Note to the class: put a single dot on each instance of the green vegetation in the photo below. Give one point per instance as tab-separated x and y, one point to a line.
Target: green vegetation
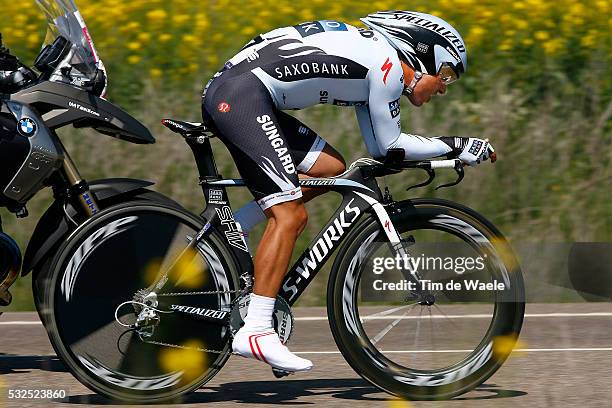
538	86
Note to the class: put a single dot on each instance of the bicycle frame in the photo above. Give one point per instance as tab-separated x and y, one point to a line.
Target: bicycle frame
360	194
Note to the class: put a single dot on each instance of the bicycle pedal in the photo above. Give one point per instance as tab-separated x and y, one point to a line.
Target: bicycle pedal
280	373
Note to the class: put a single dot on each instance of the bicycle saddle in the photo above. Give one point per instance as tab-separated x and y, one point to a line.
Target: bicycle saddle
187	128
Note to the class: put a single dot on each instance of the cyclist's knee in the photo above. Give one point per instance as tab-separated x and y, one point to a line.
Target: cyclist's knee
338	167
333	168
329	164
295	218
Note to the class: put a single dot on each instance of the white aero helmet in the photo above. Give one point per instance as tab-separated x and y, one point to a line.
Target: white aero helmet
426	42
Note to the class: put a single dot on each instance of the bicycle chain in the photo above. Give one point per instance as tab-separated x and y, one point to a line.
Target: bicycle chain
159	343
212	292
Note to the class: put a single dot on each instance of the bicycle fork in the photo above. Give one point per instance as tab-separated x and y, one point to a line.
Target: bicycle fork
400	248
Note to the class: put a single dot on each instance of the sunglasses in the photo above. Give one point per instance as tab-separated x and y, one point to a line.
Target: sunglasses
447	73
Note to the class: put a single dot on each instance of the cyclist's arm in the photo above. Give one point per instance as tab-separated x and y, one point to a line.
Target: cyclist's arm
382	134
379	122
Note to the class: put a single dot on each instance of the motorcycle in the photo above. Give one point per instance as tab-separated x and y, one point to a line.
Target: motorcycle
65	87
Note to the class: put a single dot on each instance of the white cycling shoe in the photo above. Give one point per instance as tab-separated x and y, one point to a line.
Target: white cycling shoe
266	346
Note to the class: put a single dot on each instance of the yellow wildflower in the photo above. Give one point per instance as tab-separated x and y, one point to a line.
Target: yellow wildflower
190	39
18	34
180	19
602	5
165	37
475	35
134	59
521	24
33	40
193	67
576	9
19	19
202	22
553	46
527	41
155	73
133	46
212	60
247	31
506	45
144	37
589	39
133	25
157	15
541	35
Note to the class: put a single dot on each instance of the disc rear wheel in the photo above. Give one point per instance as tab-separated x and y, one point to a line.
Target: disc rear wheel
117	287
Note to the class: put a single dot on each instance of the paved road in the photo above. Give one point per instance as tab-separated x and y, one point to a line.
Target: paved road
564	360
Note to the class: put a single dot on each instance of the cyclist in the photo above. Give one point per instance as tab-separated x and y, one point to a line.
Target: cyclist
322	62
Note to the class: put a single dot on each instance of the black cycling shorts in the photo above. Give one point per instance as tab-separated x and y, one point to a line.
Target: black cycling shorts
268	145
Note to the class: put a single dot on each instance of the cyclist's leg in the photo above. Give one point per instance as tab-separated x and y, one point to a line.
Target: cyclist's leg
314	158
249	127
286	221
257	339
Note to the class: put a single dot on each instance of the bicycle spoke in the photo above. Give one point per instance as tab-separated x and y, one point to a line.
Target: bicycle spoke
446	316
390	326
431	329
386	312
418	328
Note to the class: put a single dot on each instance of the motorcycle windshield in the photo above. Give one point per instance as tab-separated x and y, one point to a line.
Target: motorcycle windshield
64	19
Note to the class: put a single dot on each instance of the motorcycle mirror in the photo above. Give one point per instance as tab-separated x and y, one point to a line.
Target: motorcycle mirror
50	56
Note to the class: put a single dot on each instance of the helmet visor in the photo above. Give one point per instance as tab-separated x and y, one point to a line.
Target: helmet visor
447	73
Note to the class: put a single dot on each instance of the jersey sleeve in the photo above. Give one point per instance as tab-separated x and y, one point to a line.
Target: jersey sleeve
380	123
379	120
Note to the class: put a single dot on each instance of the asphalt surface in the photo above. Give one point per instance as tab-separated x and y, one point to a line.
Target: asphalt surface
564	359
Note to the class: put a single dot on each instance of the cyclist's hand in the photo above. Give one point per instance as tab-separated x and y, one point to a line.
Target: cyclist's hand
477	151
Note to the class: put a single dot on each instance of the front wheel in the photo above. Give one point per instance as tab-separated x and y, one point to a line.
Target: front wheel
116	289
444	334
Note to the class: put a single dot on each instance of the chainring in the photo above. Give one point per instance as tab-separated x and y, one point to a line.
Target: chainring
282	318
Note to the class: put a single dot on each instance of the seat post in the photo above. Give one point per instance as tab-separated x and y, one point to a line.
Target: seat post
203	154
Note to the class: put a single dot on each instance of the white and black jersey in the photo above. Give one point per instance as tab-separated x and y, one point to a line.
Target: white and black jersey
330	62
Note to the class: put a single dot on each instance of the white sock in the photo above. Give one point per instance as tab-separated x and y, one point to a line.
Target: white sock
259	314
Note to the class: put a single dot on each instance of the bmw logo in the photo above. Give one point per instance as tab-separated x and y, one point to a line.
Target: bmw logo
26	126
